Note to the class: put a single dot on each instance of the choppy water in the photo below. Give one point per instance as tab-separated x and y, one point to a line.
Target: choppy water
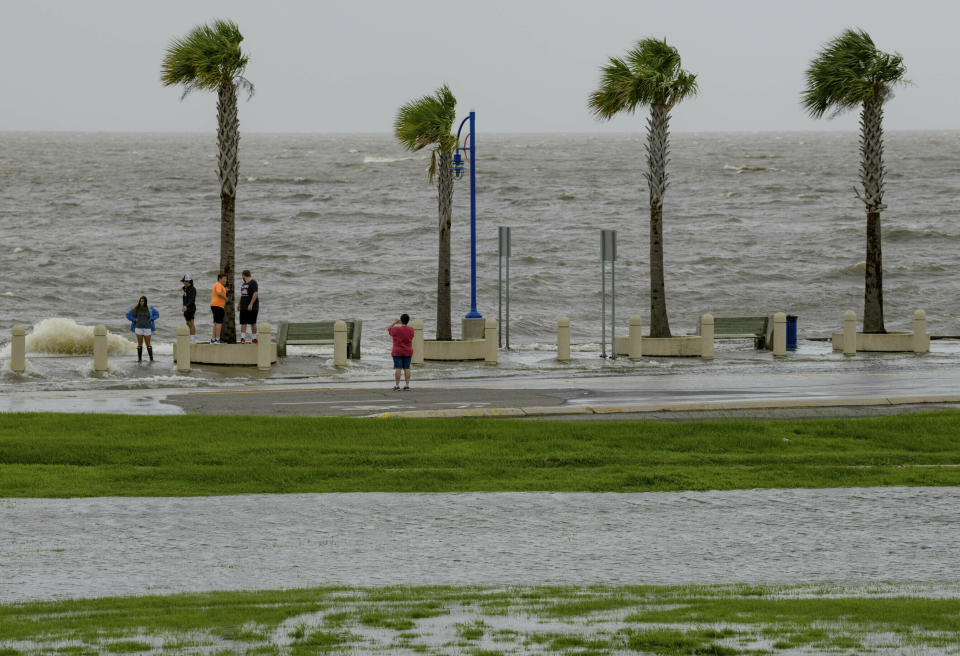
345	226
121	546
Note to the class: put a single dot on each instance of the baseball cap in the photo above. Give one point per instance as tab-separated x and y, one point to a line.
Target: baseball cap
186	277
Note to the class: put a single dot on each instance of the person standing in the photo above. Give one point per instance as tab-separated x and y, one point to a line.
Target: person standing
249	306
402	350
189	308
218	301
141	317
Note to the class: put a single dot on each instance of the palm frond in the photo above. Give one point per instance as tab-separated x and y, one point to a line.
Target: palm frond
849	71
427	121
208	56
650	74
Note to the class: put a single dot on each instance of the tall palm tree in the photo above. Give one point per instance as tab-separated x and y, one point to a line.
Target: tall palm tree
428	121
649	76
209	58
848	72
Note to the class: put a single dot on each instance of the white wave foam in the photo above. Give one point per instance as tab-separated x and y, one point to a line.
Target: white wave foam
67	337
740	168
30	370
86	370
372	159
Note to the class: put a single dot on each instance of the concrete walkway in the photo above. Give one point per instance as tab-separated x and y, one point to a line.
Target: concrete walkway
611	396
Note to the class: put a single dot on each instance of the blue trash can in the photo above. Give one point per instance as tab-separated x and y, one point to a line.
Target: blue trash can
791	332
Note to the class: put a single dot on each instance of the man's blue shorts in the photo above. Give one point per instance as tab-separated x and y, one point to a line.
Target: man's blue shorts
401	361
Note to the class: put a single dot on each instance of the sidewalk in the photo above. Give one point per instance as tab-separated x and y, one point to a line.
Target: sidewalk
619	396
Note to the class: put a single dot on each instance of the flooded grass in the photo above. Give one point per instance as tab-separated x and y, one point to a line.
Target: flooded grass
807	619
54	455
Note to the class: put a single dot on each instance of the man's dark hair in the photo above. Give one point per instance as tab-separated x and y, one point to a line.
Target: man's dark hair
246	273
404	318
221	275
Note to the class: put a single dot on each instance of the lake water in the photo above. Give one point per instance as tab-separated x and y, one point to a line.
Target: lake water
337	226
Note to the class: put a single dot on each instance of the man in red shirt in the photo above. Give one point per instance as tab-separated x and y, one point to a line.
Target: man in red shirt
402	349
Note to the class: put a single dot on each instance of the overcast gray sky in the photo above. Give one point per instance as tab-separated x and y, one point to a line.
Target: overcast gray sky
523	65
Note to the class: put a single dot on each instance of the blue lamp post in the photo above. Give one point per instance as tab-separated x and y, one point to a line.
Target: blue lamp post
458	174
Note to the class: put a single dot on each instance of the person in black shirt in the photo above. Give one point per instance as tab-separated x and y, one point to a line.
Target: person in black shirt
189	308
249	306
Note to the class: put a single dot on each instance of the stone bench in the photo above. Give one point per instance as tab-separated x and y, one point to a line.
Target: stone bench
317	333
754	328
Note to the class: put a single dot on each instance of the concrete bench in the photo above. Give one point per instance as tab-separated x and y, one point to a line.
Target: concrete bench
754	328
317	332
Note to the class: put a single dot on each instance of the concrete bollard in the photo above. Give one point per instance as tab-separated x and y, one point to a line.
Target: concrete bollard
181	349
100	362
921	340
849	332
490	337
636	337
417	359
339	343
18	349
706	336
779	334
563	339
265	345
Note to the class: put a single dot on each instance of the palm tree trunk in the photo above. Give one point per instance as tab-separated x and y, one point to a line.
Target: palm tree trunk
658	134
445	197
227	264
871	175
228	143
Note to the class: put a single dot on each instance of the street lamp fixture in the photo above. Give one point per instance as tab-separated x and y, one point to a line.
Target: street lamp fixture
471	152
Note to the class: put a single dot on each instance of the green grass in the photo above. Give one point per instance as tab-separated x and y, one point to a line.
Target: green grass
671	620
54	455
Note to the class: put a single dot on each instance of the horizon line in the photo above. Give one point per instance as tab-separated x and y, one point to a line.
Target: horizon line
495	132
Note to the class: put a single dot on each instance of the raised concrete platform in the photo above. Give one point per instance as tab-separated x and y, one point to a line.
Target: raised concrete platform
679	346
454	350
884	343
229	354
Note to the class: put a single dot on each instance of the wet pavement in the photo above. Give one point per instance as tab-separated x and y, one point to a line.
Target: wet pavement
122	546
622	395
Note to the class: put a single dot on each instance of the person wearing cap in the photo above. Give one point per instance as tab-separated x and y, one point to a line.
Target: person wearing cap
189	308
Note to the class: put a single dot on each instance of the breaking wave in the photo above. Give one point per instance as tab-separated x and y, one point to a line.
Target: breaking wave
67	337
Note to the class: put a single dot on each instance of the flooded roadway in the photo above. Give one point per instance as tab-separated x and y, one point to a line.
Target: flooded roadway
55	548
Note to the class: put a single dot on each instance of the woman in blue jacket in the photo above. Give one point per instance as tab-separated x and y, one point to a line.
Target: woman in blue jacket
141	318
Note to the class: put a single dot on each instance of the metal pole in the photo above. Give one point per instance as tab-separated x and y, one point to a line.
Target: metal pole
473	314
613	309
603	297
508	289
500	294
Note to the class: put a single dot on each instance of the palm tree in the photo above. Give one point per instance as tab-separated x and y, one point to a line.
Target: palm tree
649	76
209	58
848	72
423	122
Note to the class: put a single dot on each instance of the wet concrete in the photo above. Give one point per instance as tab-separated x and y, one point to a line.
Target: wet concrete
120	546
865	386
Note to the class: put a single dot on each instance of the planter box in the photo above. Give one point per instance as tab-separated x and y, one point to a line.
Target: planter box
230	354
453	350
881	342
682	346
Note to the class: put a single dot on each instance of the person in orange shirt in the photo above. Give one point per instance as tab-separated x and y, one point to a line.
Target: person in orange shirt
218	301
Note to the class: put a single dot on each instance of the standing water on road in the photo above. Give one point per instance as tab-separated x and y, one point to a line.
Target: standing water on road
131	546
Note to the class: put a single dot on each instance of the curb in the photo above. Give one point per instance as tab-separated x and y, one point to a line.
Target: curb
625	408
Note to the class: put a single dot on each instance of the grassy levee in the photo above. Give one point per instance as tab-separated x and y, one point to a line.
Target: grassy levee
58	455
